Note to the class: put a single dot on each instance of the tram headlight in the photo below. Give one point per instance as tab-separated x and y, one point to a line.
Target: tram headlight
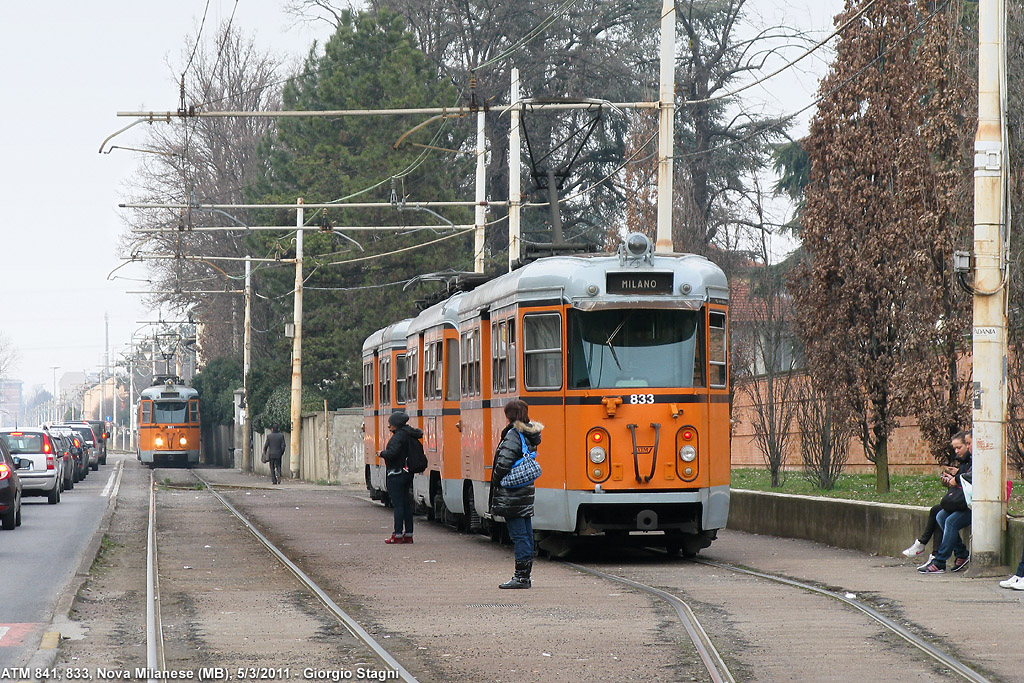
597	455
183	441
687	453
159	441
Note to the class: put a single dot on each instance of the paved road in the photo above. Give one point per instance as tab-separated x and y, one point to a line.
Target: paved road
40	559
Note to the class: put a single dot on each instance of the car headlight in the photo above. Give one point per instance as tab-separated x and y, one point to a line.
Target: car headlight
183	441
159	441
687	453
597	455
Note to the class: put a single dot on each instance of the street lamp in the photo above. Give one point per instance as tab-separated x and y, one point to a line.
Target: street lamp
55	368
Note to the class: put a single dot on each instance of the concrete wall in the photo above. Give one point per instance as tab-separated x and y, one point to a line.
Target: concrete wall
331	448
877	528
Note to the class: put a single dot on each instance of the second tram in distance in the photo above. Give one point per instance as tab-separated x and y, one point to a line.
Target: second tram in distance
168	420
622	357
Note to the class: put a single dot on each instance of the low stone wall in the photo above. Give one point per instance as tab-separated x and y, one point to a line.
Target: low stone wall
877	528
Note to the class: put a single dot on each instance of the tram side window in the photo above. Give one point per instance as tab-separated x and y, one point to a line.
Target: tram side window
147	413
512	354
385	381
470	363
499	356
367	385
437	383
717	349
451	390
193	411
400	379
542	350
429	368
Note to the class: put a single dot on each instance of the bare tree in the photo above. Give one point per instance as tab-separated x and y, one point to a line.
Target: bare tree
764	348
207	160
825	435
8	355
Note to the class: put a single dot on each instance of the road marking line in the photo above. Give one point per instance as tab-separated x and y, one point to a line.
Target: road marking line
113	482
3	631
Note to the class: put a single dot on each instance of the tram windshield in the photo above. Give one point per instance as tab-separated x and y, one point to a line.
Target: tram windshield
169	411
635	348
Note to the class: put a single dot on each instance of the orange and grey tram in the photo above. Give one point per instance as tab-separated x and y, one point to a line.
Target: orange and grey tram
168	423
622	356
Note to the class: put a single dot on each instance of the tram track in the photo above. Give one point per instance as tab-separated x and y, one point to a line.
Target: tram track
386	667
718	670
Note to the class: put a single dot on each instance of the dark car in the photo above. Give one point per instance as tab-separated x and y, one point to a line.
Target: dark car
10	489
67	443
92	442
99	427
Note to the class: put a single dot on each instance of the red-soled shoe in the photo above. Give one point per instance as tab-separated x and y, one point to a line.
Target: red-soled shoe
391	540
407	539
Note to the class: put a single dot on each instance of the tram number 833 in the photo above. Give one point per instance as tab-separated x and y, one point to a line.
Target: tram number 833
641	398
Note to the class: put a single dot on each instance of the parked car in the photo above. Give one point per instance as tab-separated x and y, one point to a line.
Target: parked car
92	442
69	443
10	488
99	427
42	477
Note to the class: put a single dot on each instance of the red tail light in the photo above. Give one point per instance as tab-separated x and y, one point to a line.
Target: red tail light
47	448
77	443
5	471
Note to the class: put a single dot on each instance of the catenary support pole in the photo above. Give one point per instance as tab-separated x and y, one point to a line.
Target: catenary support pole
296	435
990	282
666	113
246	364
481	194
514	180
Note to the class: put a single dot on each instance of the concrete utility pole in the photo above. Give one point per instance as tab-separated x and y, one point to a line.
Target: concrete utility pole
990	298
515	191
666	115
481	193
246	364
296	440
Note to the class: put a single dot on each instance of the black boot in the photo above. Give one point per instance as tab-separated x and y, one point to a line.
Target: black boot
521	579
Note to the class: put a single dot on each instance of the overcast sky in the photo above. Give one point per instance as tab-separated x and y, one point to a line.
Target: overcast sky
68	67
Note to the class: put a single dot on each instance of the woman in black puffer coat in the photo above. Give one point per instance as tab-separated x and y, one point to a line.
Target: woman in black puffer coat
515	504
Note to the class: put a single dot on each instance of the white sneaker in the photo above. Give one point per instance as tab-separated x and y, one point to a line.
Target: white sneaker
1010	582
1019	586
915	550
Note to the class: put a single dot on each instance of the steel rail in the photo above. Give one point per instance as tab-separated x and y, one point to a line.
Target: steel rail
351	624
706	650
918	642
154	628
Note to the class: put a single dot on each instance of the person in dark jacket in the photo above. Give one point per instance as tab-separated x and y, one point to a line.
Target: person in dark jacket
515	504
399	478
273	449
952	501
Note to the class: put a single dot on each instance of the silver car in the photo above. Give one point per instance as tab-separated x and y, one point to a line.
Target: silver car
43	477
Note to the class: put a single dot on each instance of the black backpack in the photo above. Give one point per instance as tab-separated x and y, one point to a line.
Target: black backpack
416	460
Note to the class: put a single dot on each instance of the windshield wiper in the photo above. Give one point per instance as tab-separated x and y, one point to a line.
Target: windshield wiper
608	341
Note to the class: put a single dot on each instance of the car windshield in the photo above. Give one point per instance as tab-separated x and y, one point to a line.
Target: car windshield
635	348
20	442
85	433
169	411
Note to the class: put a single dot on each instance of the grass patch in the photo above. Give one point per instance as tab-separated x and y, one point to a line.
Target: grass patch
905	489
324	482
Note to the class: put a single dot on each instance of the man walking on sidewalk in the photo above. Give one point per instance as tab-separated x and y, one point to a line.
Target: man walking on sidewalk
273	448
